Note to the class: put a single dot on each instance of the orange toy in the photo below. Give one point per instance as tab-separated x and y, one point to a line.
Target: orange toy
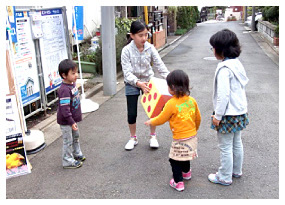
154	101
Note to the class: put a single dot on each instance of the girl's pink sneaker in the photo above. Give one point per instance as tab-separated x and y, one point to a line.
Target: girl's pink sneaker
178	186
187	175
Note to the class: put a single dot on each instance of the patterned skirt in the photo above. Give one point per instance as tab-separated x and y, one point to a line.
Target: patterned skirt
232	124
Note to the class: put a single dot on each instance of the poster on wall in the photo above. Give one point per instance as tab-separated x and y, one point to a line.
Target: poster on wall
16	158
25	60
53	47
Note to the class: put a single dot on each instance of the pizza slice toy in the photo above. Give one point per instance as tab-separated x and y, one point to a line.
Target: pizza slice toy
154	101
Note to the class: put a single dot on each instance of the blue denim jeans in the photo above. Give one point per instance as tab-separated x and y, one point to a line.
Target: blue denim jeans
71	147
231	156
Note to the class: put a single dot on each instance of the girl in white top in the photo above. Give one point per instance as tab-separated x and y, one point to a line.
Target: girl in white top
136	59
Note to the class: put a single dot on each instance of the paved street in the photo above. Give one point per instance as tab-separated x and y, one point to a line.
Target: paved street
110	172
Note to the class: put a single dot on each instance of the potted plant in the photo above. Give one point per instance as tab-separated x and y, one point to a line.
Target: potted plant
87	59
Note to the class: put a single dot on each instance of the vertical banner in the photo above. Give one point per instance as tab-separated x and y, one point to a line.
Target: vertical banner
78	10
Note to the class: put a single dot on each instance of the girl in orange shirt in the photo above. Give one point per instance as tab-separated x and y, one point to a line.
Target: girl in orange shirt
184	118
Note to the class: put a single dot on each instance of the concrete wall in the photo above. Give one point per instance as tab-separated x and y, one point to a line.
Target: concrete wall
266	29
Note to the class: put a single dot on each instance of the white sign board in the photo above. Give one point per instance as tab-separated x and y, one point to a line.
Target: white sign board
25	60
53	47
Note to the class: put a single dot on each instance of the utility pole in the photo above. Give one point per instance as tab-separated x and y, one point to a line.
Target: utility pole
108	50
245	14
253	19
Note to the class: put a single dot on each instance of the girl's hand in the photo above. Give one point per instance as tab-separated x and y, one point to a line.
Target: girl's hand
147	123
215	121
143	86
74	127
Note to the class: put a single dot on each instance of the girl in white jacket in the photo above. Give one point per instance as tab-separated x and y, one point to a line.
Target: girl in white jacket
230	106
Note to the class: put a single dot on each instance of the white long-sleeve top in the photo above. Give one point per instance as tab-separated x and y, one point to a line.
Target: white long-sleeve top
136	65
229	97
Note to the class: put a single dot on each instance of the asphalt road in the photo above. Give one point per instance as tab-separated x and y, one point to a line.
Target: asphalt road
110	172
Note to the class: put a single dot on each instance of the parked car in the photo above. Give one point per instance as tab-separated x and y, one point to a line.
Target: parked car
220	17
257	16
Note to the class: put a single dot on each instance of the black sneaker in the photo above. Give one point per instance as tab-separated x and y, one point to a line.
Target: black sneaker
80	158
76	164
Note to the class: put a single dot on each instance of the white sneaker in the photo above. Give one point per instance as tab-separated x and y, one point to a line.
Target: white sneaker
131	144
153	143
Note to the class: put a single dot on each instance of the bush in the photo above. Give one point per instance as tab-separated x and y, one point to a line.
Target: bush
180	31
187	17
271	14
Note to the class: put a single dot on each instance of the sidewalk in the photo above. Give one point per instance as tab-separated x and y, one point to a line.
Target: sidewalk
270	50
49	126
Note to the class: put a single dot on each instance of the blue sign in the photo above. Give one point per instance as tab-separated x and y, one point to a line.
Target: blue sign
78	10
51	12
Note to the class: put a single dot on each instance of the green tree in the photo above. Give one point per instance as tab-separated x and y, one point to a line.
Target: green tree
187	16
271	14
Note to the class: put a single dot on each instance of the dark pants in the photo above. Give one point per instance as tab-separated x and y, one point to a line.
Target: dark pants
178	167
132	104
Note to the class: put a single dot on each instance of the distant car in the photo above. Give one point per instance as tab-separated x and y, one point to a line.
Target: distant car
220	18
257	16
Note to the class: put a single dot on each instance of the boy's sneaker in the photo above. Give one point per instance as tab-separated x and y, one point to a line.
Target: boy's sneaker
131	144
178	186
80	158
187	175
76	164
153	143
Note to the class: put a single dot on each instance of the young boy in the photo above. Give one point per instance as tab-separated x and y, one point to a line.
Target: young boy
68	114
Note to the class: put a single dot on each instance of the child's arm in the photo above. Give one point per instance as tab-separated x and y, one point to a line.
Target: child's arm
64	106
163	117
223	93
158	63
198	116
127	68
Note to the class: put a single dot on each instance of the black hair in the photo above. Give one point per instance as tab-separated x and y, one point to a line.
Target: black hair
226	43
66	65
136	27
178	81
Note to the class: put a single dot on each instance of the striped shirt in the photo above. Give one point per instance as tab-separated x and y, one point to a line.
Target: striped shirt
68	110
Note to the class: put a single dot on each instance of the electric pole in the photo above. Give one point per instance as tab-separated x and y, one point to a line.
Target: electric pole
108	50
253	19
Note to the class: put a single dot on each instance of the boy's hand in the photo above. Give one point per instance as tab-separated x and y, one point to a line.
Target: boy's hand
215	121
147	123
74	127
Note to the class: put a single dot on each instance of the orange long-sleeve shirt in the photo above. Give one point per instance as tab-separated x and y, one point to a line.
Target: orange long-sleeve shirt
183	115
